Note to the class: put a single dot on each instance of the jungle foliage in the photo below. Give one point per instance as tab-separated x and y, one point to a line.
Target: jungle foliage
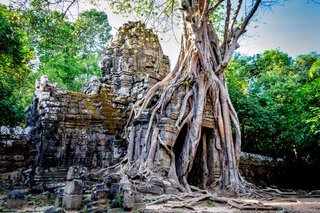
38	41
277	99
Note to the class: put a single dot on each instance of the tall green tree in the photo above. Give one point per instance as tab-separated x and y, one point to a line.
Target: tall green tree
277	102
38	41
15	54
69	52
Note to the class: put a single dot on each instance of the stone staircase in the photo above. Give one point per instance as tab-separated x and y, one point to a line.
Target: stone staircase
54	175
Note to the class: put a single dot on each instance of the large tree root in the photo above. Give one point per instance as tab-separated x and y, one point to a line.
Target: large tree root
179	101
190	201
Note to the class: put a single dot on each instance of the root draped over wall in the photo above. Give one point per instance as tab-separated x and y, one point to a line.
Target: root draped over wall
179	101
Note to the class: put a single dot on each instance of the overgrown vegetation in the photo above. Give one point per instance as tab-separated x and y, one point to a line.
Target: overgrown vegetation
118	203
277	99
38	41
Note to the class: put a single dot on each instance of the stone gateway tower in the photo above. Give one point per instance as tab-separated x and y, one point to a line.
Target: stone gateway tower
159	145
87	128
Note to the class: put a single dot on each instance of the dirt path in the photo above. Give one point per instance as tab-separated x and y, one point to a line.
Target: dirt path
289	205
305	205
280	205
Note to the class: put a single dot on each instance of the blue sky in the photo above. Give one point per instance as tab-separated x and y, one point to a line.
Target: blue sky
294	28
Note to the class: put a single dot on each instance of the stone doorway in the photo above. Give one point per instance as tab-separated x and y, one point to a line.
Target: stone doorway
200	168
203	164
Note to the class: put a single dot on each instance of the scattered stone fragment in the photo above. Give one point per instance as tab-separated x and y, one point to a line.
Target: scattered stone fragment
51	187
134	174
12	203
38	188
171	191
44	197
72	202
17	198
151	189
93	209
115	210
112	178
54	210
76	172
138	206
74	187
17	194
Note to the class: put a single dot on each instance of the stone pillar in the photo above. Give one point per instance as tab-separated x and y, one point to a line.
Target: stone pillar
72	196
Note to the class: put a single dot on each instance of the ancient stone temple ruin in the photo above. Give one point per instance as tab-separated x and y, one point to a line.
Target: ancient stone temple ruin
83	133
86	128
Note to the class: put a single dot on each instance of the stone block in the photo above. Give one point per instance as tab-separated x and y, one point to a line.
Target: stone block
74	187
54	210
116	210
72	202
55	187
134	174
126	185
76	172
93	209
58	201
18	194
96	195
151	189
167	183
138	197
171	191
156	181
138	206
128	199
112	178
13	203
101	187
168	138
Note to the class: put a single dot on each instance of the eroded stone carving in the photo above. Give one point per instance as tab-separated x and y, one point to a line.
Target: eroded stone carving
133	61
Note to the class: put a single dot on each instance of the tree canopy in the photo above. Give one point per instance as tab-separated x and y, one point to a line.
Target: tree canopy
45	42
277	100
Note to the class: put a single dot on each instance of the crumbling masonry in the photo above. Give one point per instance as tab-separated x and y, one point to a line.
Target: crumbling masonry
66	128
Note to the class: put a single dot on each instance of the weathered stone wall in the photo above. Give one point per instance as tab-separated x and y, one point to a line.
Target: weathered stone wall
16	150
260	170
74	128
86	128
266	171
169	132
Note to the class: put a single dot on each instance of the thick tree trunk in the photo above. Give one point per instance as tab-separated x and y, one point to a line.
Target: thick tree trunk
198	75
